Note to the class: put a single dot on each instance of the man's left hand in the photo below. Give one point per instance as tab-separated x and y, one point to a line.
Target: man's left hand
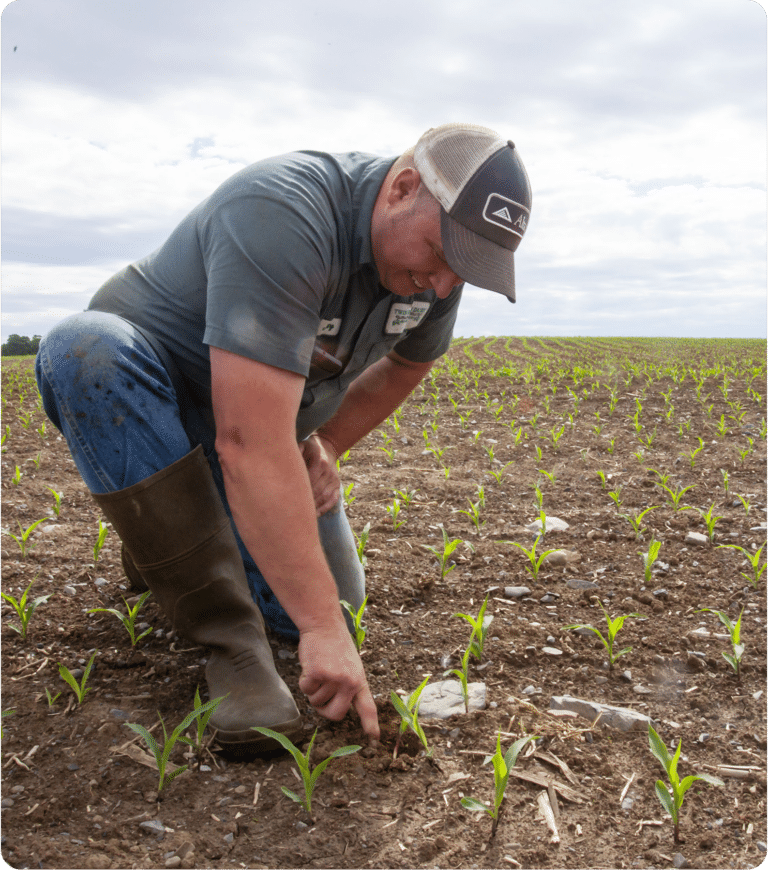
320	460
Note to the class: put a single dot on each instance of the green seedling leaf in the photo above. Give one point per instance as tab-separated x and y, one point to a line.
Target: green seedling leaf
23	609
79	689
128	620
308	775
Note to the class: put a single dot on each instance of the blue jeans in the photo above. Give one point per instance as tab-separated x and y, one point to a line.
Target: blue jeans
126	413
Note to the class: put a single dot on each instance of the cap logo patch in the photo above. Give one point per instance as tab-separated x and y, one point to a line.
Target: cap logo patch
506	213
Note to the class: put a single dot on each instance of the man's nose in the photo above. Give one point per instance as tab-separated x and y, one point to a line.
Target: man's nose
443	282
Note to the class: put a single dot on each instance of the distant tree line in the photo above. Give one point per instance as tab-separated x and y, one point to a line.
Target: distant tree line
18	346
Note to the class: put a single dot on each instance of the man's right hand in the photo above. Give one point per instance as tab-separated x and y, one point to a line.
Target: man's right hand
333	678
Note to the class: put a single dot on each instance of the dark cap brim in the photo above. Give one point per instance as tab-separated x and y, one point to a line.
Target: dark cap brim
476	260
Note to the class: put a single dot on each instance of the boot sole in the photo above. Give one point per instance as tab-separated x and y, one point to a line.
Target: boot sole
249	741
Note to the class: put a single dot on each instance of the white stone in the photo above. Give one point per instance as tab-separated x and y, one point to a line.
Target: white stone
444	698
696	538
554	524
623	719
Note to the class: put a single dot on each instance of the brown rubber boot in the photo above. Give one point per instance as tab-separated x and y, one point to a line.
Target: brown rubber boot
178	538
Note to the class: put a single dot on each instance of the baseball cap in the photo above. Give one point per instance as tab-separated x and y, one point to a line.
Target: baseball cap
482	186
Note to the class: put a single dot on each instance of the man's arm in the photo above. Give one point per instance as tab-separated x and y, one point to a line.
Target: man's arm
269	492
369	400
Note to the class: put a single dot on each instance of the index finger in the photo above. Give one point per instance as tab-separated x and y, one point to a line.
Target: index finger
365	706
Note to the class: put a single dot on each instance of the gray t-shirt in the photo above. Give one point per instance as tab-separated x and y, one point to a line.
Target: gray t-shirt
276	265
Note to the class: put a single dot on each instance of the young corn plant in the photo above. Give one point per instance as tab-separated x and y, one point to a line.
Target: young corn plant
534	561
676	495
695	452
474	514
650	558
24	609
23	538
203	713
309	775
502	765
162	752
56	501
753	560
100	538
734	630
463	674
614	625
79	689
671	797
449	546
636	521
128	620
362	541
479	626
394	512
709	520
409	717
357	621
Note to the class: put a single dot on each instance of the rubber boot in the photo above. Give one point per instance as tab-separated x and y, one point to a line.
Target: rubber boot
178	537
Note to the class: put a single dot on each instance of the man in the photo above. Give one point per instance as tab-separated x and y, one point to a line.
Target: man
209	388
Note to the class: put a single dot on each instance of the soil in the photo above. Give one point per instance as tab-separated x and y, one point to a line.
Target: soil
75	791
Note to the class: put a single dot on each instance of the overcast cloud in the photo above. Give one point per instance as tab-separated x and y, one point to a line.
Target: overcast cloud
642	127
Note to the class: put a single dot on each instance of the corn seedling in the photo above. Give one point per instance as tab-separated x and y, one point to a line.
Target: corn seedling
734	630
309	776
672	798
162	753
636	521
613	630
16	479
390	452
24	609
502	765
463	673
361	541
51	699
405	496
79	689
409	717
498	475
753	561
695	452
449	546
102	534
745	503
203	713
56	501
709	520
557	435
348	497
394	512
474	514
650	558
128	620
616	496
676	495
601	476
23	538
357	621
534	561
479	630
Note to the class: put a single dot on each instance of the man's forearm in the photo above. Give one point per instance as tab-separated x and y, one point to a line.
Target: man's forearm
370	399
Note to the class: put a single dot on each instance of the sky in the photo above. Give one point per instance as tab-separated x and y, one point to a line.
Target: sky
642	127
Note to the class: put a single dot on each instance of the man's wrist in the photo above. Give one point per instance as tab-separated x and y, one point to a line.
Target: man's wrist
329	440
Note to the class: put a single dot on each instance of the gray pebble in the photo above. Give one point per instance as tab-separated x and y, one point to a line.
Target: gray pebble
173	862
515	592
153	826
679	861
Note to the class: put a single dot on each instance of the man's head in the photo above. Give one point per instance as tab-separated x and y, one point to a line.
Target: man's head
452	209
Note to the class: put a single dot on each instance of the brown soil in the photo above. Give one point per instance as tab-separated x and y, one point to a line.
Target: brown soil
73	797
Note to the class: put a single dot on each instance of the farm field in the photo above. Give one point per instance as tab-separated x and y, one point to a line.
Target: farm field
630	442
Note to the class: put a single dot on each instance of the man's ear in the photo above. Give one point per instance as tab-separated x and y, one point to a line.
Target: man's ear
404	185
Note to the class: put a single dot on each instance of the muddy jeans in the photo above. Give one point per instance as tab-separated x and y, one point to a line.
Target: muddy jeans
126	413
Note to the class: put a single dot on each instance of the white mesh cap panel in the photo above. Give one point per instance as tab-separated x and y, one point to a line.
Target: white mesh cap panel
448	156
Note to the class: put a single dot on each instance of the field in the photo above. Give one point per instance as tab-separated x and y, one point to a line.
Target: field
634	443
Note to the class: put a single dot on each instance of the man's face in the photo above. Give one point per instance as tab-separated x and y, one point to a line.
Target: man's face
406	240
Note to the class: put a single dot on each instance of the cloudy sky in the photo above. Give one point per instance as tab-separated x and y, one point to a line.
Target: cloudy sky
642	126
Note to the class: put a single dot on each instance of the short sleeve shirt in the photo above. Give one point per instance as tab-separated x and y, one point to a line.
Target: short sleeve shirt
276	265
